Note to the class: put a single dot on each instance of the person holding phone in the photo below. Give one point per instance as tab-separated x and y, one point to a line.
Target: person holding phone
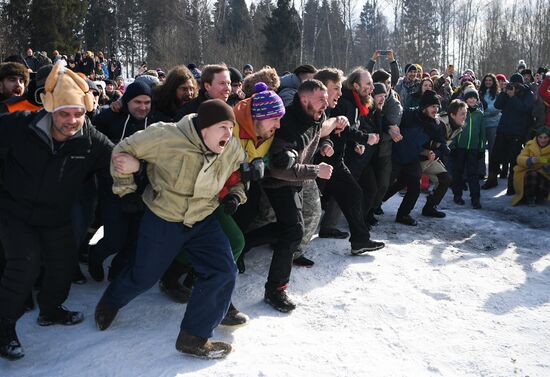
390	57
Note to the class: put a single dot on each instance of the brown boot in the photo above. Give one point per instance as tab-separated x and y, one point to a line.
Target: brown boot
201	347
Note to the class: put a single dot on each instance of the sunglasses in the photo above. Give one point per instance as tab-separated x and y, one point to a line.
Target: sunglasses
95	93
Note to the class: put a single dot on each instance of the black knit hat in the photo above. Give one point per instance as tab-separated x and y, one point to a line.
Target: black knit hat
214	111
137	88
517	78
235	75
380	76
428	99
379	88
542	71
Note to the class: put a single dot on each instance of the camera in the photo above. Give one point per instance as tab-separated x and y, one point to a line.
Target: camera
253	170
384	52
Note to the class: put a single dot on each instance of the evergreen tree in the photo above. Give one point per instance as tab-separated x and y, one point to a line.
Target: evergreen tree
99	26
56	24
14	22
282	36
372	31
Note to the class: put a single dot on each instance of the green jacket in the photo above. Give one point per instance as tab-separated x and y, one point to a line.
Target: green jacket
472	136
185	176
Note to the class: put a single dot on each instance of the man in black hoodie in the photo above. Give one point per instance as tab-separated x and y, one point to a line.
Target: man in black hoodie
299	137
46	156
121	216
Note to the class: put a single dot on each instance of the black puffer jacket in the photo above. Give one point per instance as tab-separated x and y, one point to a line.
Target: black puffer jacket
39	185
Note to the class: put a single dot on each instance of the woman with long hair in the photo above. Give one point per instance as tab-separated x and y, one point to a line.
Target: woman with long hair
179	88
488	92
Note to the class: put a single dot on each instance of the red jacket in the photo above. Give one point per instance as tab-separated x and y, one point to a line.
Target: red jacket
544	93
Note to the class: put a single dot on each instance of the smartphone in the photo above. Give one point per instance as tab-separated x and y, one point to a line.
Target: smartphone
384	52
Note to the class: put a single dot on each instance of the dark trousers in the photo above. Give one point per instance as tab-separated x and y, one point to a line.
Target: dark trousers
505	151
26	249
247	212
287	203
349	196
406	175
465	160
382	167
208	250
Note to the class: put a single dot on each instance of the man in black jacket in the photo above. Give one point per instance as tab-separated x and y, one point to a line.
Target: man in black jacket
121	216
299	135
45	156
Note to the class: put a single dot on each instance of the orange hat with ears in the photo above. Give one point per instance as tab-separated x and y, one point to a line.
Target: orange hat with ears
65	89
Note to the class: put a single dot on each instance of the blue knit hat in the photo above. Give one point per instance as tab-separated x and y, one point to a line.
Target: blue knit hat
266	104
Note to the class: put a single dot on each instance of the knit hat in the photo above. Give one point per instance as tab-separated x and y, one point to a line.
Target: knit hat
516	77
92	86
266	104
542	130
428	99
379	88
467	76
214	111
42	74
14	69
380	76
235	75
248	66
521	65
419	67
151	81
501	77
64	89
137	88
470	92
409	67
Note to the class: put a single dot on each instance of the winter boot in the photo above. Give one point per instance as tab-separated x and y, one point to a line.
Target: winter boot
458	200
279	300
104	314
60	316
177	292
490	182
430	209
302	261
201	347
476	203
240	264
234	317
364	247
378	211
10	347
406	220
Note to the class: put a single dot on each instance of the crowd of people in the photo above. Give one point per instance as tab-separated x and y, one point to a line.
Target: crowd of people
190	170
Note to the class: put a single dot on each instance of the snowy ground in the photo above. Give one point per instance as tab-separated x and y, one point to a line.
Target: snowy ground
464	296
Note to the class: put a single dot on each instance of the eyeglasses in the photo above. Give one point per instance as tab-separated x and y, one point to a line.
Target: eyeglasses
95	93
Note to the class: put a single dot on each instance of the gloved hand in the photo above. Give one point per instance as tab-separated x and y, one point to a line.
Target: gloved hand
230	204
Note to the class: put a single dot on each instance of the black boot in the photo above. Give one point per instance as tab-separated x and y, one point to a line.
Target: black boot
60	316
430	209
476	204
240	264
170	285
490	182
10	347
406	220
104	314
279	300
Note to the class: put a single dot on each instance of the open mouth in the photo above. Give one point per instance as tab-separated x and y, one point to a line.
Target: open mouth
222	143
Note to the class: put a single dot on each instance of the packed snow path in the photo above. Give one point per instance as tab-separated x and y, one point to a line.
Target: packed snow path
468	295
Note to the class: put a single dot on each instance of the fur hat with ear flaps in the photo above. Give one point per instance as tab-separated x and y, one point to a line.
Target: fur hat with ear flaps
64	89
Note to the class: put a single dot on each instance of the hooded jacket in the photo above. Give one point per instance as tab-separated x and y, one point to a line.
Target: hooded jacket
531	149
289	88
39	182
246	134
185	176
516	112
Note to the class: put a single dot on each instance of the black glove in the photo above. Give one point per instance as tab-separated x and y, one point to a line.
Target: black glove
230	204
284	160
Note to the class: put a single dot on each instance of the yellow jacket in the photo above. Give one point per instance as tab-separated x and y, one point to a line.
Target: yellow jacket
531	149
185	176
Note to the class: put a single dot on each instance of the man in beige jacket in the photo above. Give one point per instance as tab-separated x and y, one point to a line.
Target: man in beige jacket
187	164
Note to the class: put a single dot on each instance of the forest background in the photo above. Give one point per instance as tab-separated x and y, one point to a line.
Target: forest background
484	35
